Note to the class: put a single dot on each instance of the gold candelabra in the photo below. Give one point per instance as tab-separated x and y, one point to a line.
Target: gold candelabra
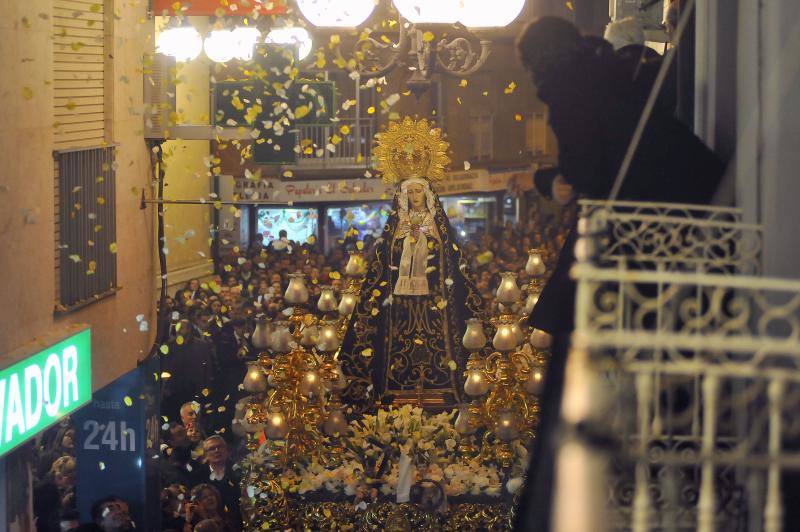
354	270
296	381
504	384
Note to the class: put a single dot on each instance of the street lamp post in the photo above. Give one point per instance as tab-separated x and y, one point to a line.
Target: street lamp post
435	36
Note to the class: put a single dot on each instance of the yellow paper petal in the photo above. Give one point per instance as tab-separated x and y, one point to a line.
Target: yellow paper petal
301	112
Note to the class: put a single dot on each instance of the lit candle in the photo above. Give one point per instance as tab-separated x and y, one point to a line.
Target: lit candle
541	339
328	338
309	335
276	428
254	380
531	300
535	381
506	426
281	337
261	334
296	292
476	383
348	303
355	265
505	339
535	265
508	292
336	423
327	300
474	338
310	383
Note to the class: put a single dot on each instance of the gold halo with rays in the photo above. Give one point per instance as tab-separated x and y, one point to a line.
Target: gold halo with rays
411	149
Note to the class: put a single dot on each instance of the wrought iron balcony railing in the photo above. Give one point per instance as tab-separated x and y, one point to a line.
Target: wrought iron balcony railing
325	146
683	376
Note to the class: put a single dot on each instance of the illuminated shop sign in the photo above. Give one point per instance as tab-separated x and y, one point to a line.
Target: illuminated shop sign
36	392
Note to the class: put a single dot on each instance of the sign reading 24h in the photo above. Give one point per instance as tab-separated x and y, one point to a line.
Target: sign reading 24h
36	392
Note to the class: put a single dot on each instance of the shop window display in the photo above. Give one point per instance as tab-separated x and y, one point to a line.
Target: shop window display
470	216
299	224
367	218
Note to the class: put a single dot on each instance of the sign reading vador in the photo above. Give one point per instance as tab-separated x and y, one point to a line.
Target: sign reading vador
38	391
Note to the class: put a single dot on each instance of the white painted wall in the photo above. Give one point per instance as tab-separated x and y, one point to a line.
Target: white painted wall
780	156
748	104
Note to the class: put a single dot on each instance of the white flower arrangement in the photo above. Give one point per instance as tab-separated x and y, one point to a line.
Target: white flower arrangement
371	455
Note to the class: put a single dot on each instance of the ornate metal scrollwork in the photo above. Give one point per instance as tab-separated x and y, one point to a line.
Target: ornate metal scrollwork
689	365
398	518
474	517
461	54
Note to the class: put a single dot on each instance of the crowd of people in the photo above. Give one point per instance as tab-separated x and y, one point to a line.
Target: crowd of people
211	321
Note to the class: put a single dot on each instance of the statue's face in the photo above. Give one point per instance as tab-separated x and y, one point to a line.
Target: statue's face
416	196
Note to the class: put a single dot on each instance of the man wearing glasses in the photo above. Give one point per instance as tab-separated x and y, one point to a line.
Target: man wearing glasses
221	475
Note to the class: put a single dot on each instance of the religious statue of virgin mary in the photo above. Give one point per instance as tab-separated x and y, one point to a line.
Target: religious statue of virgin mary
403	343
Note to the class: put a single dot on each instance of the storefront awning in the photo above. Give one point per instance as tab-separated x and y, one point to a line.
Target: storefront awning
482	180
361	189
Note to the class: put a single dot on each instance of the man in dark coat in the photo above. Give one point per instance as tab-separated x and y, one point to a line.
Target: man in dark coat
594	109
190	360
221	475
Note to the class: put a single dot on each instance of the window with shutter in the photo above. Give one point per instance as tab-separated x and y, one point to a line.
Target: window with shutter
481	127
536	134
85	206
79	73
86	261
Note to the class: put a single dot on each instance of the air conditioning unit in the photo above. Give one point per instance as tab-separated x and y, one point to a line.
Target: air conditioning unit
160	107
536	134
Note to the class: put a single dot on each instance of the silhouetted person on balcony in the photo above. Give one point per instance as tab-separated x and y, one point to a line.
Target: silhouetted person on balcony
594	109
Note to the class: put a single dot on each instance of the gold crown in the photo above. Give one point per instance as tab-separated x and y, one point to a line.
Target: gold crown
411	149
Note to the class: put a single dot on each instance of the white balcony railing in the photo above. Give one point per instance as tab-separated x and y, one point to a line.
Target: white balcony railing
325	146
683	378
